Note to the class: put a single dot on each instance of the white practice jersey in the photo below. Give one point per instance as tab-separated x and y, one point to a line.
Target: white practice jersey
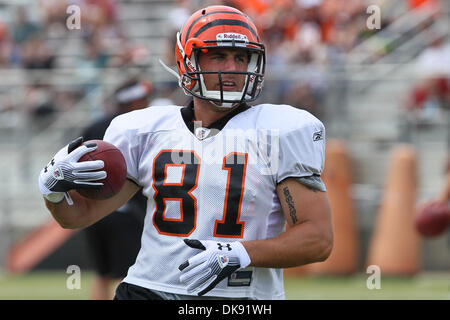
211	184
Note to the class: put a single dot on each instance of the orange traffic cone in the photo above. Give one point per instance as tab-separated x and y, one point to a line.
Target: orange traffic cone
344	258
395	245
37	245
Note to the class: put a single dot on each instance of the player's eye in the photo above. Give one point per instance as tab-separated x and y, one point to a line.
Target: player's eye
242	58
218	56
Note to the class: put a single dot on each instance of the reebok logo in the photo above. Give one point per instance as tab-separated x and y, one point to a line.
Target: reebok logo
318	135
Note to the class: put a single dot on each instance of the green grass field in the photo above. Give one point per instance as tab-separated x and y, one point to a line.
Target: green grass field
424	286
52	286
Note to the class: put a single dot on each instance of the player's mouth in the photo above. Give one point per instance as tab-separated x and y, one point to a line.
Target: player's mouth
229	85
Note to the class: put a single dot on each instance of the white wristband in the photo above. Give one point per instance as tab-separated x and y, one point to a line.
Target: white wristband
55	197
244	258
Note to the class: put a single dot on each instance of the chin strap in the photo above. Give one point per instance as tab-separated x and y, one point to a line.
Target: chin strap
224	105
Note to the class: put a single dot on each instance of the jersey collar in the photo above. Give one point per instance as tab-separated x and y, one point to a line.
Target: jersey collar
188	116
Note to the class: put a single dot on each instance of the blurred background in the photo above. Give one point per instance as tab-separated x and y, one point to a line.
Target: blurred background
376	72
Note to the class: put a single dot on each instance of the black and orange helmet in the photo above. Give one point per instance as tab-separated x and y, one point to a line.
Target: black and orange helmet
218	27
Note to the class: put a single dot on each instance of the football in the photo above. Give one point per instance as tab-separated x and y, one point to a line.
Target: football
432	219
115	167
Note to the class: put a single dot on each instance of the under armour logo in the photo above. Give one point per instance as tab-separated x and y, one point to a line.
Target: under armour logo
220	246
52	163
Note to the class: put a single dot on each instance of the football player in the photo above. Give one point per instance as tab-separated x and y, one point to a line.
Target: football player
222	177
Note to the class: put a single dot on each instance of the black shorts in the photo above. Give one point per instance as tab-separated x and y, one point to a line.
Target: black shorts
127	291
114	243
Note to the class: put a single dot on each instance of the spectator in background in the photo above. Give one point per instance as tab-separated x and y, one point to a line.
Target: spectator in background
40	104
89	72
54	16
114	241
95	55
129	55
8	53
427	101
4	45
23	28
100	16
434	61
431	96
36	54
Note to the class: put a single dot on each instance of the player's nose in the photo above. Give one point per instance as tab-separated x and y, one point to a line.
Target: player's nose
230	64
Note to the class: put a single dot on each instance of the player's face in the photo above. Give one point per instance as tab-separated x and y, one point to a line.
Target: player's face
224	59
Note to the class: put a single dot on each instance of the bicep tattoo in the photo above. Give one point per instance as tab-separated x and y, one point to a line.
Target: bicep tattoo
290	203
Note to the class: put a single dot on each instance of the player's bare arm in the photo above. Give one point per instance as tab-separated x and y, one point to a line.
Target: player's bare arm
309	237
84	211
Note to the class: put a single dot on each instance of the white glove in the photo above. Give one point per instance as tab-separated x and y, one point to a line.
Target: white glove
64	172
205	270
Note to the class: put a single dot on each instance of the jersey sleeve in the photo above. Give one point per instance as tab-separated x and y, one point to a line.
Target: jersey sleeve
302	151
127	143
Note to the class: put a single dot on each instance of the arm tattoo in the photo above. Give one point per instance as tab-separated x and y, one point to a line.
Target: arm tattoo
290	203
